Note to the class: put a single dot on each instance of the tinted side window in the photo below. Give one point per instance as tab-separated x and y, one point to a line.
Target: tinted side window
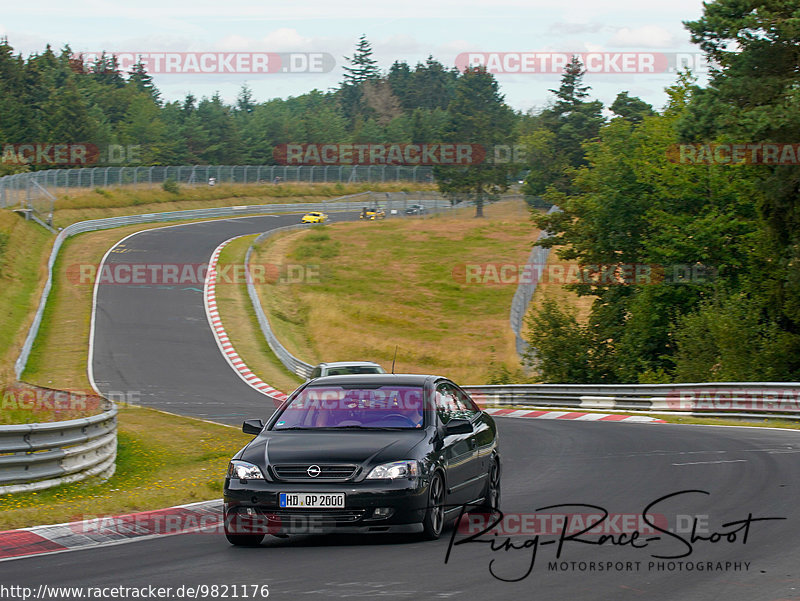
452	403
445	403
467	403
315	373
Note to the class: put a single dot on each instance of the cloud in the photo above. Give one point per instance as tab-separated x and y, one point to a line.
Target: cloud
647	36
560	28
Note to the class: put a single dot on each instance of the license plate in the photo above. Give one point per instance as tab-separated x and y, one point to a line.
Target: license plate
317	500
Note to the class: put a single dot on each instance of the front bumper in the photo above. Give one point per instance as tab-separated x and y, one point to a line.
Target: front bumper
253	507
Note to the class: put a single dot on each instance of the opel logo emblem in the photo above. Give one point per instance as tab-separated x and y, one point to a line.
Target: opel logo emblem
313	471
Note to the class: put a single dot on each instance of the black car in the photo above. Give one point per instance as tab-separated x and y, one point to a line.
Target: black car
416	210
363	453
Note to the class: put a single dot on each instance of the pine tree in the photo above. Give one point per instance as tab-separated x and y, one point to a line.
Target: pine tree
143	81
244	101
571	92
478	116
362	65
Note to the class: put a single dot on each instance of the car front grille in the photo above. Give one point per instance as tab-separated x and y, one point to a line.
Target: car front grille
296	472
320	516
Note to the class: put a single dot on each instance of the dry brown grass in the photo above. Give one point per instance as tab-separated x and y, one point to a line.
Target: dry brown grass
392	282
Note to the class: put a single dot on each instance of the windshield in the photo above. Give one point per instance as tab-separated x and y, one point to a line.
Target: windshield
354	369
337	407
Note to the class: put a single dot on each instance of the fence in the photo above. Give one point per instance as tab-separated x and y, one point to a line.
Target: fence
525	290
38	456
20	189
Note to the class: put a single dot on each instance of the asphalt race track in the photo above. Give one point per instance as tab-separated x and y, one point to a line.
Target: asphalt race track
153	344
156	340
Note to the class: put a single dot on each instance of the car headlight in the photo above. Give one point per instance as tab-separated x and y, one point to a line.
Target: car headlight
244	471
394	470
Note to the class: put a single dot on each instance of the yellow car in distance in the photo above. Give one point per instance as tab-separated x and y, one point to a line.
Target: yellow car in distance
314	217
372	214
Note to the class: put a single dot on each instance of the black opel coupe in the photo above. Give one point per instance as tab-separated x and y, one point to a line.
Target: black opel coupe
360	454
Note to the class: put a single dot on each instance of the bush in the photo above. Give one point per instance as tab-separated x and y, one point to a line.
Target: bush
3	243
171	186
731	340
561	349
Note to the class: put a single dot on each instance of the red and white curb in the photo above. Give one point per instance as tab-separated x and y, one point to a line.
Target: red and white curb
230	354
579	416
221	336
201	518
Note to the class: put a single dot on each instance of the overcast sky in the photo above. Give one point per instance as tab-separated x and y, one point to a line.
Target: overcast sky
410	30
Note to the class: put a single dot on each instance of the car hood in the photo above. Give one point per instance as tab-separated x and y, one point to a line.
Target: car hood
332	447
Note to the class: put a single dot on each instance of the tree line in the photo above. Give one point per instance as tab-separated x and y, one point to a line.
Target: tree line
627	204
629	199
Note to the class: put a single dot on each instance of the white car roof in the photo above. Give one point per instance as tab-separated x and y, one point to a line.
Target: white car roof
345	363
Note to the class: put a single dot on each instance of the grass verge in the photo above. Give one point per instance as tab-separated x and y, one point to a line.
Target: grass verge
402	282
24	247
154	470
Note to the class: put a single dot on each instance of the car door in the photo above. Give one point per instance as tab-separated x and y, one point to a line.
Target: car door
460	458
485	435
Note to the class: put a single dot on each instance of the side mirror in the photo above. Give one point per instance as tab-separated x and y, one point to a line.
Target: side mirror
252	426
458	426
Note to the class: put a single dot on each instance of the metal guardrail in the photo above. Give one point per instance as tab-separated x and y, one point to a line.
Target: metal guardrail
292	363
38	456
733	399
433	203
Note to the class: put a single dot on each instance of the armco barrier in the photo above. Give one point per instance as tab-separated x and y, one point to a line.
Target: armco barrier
292	363
733	399
38	456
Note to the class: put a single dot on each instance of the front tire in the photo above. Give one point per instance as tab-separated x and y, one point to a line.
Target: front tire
234	525
433	522
491	494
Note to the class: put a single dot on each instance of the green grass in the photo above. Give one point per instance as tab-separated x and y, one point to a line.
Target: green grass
25	247
22	259
162	460
78	205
